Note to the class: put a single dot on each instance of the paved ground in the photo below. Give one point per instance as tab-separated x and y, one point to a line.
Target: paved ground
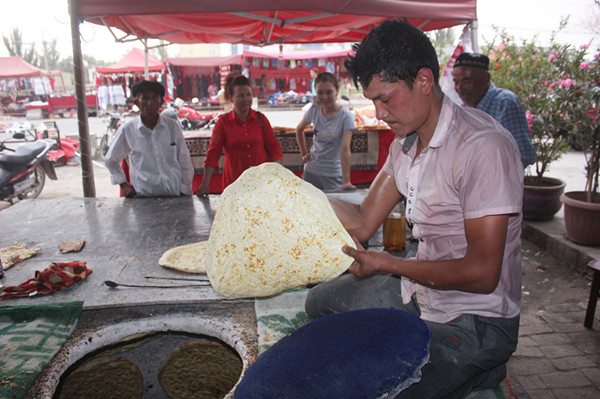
557	357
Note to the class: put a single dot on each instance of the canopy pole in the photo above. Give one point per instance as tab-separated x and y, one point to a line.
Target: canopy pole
87	171
475	36
146	74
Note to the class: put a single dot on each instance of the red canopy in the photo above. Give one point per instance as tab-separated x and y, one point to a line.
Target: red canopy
205	61
17	67
297	55
134	61
262	22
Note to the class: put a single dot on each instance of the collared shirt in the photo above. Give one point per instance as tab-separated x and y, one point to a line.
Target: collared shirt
469	170
245	144
159	160
504	106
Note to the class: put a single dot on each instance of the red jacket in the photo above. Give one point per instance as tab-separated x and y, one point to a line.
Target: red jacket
245	144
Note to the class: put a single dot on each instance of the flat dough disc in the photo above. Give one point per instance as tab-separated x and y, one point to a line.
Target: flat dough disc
114	377
200	370
189	258
274	231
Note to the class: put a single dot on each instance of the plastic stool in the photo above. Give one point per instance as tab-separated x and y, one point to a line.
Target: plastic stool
594	292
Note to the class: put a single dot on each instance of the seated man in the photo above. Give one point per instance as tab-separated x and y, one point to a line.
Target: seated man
460	172
473	85
159	160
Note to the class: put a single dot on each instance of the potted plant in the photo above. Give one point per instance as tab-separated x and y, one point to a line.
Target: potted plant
578	93
525	70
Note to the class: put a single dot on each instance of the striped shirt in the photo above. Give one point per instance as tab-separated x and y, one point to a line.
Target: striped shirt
504	106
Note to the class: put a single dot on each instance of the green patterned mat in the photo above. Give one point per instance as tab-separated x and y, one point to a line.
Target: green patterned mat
30	336
279	315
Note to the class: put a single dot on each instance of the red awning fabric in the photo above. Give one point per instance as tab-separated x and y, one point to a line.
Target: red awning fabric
297	55
17	67
237	58
263	22
205	61
134	61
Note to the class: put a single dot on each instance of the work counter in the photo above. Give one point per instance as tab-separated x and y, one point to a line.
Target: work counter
124	238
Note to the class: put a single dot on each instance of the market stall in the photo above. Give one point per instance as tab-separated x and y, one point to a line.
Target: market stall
260	22
113	83
200	77
22	83
285	71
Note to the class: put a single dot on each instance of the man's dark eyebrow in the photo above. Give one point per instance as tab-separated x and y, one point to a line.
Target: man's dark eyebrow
378	97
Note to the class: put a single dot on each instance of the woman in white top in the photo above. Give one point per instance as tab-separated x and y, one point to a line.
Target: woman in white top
327	165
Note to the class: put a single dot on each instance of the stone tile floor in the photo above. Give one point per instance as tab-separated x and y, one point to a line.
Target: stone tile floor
557	357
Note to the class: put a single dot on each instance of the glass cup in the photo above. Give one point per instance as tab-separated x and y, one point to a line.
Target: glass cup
394	232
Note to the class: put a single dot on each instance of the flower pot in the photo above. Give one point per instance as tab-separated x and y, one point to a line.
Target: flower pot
582	219
541	202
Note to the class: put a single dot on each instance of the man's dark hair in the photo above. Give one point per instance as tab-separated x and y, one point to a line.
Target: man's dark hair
148	85
395	50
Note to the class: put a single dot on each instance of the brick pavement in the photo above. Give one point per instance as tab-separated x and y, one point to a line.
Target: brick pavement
557	357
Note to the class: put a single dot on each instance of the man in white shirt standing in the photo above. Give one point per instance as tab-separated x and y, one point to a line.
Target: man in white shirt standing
159	160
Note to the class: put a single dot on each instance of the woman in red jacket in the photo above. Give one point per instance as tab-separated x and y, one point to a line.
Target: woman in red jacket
245	136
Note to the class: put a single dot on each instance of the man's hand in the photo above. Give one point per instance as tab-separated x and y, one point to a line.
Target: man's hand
365	262
127	190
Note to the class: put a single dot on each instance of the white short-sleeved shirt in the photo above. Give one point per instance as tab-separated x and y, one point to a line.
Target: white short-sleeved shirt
160	162
469	170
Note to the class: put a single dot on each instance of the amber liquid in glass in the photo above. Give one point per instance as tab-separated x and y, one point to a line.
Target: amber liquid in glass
394	233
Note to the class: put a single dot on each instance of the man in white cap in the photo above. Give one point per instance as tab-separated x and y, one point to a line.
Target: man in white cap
159	160
474	87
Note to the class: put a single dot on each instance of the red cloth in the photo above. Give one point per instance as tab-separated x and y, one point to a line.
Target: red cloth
245	144
67	150
125	167
50	280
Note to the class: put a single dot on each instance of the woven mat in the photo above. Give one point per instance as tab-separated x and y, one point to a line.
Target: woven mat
30	336
281	314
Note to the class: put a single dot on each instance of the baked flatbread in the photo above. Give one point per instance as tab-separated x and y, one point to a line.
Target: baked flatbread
189	258
200	370
273	231
104	378
16	253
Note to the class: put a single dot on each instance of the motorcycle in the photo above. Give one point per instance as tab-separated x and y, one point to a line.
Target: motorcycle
23	171
189	118
192	119
104	141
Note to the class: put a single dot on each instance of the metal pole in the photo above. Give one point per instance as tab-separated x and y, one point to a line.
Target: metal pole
475	36
146	74
87	170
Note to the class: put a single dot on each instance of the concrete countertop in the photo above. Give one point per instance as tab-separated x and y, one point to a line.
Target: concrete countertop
124	239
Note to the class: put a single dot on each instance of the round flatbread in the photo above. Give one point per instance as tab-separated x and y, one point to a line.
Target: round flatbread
274	231
189	258
103	378
200	370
